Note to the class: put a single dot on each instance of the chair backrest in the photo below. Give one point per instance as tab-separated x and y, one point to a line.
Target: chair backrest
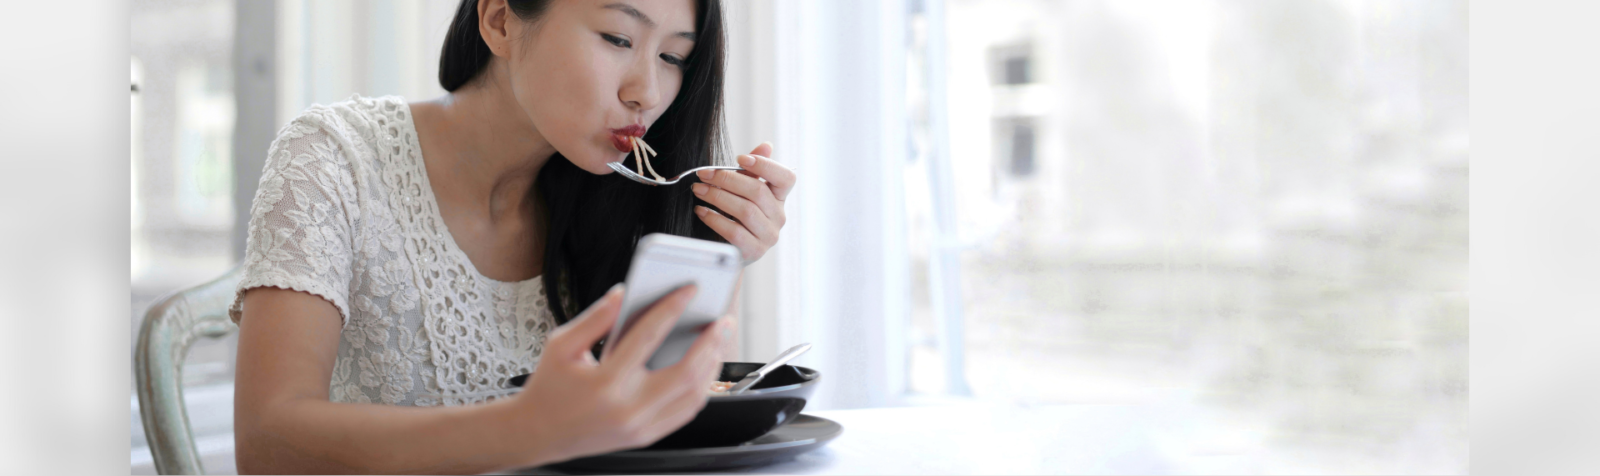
169	327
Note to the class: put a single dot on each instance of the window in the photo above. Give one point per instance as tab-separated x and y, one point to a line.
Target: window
1015	139
1012	64
1210	211
181	163
182	208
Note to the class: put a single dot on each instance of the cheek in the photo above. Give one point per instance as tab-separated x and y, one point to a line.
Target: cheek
568	86
563	94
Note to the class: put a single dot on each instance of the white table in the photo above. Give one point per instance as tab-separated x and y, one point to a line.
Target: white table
1013	439
1017	439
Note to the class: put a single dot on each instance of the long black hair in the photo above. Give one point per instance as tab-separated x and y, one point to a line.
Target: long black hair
595	220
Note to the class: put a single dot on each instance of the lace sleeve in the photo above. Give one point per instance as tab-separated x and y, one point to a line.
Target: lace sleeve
300	222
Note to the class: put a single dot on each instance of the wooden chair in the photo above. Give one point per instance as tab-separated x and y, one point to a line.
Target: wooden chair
170	326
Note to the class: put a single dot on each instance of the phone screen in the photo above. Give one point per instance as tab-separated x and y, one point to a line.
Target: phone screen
663	263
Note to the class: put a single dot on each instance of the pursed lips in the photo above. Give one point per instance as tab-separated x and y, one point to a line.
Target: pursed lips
621	137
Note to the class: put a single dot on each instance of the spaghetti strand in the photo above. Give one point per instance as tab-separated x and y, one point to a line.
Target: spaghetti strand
647	164
638	158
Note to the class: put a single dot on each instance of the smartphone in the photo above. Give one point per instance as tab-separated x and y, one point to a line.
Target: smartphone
663	263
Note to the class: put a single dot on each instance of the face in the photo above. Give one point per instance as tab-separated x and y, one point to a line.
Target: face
591	71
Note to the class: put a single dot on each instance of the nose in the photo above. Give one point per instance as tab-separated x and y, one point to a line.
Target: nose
640	89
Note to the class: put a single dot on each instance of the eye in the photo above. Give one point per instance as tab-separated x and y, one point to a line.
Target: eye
617	40
674	60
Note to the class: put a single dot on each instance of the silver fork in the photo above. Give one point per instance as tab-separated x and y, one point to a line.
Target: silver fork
634	176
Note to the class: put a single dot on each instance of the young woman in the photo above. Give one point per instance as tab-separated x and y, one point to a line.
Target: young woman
405	260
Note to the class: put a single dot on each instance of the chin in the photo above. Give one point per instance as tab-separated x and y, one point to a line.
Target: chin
595	163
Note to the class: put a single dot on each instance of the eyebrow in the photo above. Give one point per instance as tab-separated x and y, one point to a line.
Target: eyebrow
645	19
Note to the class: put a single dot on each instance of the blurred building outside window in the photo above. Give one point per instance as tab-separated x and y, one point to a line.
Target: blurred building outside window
181	163
1012	64
1256	205
1015	140
181	203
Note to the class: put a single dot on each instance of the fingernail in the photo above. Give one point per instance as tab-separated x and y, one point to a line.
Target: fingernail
746	161
615	288
700	210
700	189
705	174
726	327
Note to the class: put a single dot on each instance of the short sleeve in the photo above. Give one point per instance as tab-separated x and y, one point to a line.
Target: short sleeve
301	228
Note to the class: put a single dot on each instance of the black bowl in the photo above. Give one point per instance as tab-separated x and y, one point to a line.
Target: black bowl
728	420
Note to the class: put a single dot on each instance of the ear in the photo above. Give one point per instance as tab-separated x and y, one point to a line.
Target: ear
493	17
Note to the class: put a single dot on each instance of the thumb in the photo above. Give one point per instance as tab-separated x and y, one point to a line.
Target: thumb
764	150
590	326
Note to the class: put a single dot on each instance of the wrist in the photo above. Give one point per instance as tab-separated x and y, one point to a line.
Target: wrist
525	444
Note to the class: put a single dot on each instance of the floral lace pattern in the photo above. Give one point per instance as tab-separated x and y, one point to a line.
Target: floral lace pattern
345	212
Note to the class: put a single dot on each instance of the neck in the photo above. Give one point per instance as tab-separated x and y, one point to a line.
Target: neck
496	153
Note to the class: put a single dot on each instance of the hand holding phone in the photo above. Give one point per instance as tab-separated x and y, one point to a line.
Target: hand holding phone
663	263
571	404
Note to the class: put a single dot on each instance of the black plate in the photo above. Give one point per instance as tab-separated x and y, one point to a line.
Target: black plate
728	420
804	433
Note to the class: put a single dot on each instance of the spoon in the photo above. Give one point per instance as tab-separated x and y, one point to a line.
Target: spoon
753	377
634	176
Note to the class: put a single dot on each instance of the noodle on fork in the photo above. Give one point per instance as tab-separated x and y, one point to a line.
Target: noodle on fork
640	149
638	155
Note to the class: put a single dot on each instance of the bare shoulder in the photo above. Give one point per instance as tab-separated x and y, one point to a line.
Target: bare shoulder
426	113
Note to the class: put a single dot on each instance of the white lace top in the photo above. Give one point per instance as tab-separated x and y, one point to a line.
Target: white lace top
345	212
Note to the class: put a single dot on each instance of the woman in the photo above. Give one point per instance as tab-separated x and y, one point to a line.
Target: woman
405	260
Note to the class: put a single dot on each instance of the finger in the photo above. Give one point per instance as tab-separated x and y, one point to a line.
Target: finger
735	233
678	411
739	208
692	390
733	328
780	178
698	367
661	414
700	363
750	174
576	337
708	352
751	188
764	150
652	327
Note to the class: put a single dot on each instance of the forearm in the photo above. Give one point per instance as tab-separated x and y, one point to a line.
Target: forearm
310	435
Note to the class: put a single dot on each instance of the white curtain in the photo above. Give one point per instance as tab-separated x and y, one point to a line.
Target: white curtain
824	80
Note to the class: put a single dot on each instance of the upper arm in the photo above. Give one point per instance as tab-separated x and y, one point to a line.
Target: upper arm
287	344
288	341
303	219
292	301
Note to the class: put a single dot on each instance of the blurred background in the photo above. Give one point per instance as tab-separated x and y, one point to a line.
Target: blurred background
1254	210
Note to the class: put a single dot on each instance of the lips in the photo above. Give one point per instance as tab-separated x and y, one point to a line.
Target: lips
621	137
621	143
